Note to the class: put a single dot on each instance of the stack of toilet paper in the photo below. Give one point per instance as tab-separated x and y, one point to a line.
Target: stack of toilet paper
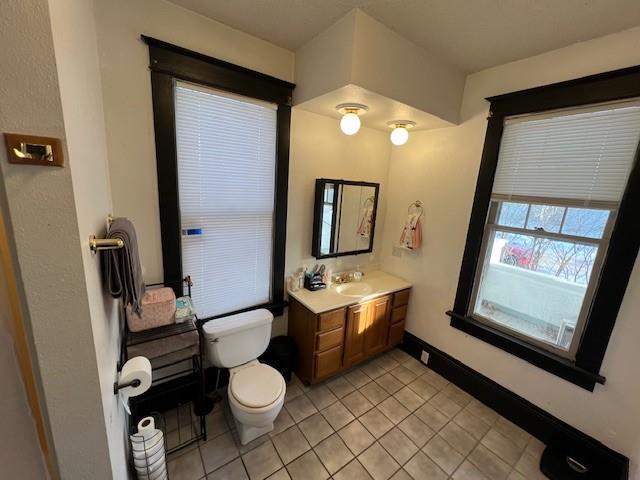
148	451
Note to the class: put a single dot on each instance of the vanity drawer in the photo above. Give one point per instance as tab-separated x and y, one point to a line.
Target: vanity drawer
329	362
329	339
401	298
331	320
395	334
398	314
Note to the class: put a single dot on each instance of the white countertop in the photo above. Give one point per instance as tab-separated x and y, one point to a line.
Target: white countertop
328	299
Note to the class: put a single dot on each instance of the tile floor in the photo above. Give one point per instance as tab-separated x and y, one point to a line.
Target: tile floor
389	418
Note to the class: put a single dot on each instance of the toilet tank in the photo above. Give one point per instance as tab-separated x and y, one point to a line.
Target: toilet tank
237	339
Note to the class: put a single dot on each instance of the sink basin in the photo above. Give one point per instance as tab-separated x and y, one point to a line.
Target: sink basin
356	289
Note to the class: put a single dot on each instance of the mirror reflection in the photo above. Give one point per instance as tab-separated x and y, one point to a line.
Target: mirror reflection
344	217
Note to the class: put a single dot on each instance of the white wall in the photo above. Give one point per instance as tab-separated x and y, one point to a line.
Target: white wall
20	454
75	43
42	220
126	83
440	168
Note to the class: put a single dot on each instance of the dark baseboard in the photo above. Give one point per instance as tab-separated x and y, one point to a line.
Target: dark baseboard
542	425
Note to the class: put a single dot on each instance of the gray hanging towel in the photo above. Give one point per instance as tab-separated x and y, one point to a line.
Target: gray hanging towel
122	270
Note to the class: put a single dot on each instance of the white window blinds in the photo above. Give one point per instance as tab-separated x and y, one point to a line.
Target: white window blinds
584	154
226	149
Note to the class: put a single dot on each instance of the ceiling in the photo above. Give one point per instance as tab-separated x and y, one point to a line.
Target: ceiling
469	34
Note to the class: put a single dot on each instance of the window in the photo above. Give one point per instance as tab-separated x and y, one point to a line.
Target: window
222	149
548	251
226	151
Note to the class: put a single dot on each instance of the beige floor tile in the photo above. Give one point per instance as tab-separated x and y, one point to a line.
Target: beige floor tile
401	475
512	432
373	370
408	398
423	388
357	378
393	410
416	430
458	438
468	471
376	422
218	451
457	394
300	408
399	446
340	387
484	413
445	404
489	463
472	424
374	392
502	446
307	467
403	374
281	474
321	396
231	471
416	366
387	362
290	444
378	462
421	467
333	453
390	383
293	391
399	356
283	421
435	379
529	466
186	467
357	403
337	415
315	428
353	471
216	424
447	457
262	461
356	437
433	417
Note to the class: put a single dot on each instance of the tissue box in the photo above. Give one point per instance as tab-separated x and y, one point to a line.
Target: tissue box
158	309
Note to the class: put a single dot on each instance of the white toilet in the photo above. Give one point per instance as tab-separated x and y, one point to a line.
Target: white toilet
256	391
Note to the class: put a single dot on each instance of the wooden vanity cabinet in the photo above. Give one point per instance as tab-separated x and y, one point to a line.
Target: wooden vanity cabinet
333	341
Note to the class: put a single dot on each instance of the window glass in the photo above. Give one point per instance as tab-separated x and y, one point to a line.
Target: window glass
535	286
546	217
513	214
585	222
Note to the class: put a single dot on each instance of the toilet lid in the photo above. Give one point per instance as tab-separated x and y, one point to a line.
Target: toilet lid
257	386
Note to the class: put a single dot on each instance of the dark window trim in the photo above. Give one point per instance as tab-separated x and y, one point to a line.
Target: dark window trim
623	247
169	63
317	218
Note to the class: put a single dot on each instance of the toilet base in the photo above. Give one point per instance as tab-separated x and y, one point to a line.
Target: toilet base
248	433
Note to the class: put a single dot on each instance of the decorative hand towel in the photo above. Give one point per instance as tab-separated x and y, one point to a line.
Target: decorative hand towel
158	309
364	229
122	270
411	237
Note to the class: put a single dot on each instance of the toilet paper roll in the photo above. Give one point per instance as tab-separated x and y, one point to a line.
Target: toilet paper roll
137	368
147	427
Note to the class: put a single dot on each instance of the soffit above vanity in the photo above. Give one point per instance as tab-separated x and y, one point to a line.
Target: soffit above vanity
358	59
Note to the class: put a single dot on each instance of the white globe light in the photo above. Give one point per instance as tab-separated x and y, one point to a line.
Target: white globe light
399	136
350	123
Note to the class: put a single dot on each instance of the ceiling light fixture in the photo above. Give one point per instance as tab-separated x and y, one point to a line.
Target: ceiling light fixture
350	122
400	133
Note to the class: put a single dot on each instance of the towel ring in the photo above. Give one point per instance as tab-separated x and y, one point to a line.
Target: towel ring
97	244
417	205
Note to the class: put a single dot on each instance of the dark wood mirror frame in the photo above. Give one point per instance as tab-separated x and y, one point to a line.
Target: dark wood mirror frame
317	217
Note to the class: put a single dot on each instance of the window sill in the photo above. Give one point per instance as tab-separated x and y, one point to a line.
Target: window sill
539	357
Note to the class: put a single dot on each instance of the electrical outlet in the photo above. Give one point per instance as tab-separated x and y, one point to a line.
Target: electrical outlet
424	357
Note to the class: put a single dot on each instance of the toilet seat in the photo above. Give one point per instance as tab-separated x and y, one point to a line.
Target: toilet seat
256	386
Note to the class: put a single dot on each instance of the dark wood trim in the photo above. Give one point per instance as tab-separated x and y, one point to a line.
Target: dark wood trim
602	87
168	63
605	462
317	216
479	211
531	353
623	247
164	123
196	67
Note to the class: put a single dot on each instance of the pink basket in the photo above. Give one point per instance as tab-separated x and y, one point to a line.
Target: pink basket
158	309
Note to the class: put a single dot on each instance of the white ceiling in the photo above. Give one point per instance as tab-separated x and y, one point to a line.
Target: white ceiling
469	34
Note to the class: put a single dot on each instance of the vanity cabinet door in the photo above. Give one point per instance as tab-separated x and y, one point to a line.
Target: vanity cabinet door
378	328
354	345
